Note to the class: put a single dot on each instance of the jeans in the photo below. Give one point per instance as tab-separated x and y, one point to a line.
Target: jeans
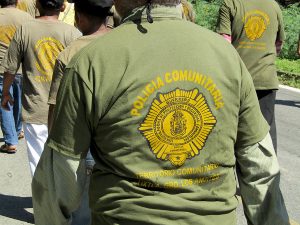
11	124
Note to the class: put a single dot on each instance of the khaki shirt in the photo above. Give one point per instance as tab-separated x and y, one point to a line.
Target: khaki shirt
62	61
28	6
166	121
254	26
10	20
36	45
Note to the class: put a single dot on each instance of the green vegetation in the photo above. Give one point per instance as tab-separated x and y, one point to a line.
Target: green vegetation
289	72
207	16
291	17
291	66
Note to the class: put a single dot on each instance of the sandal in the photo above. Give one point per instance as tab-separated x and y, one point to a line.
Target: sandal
9	149
21	135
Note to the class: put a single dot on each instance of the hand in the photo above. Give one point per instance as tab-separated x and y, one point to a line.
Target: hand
5	100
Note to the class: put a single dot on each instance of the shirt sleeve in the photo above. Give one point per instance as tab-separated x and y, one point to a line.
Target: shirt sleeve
58	73
258	175
74	34
56	195
252	127
72	117
14	54
280	33
224	19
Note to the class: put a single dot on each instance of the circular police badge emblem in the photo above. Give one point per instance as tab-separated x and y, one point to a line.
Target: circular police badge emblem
256	23
178	125
47	50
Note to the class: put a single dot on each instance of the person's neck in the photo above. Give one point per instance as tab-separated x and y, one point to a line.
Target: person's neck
49	18
10	6
96	30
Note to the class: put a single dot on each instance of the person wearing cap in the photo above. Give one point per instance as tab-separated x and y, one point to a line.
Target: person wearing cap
255	28
92	20
167	121
36	45
11	125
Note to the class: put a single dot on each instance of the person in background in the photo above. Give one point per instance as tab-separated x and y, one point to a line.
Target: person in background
36	45
68	15
91	17
167	122
188	11
255	28
28	6
11	125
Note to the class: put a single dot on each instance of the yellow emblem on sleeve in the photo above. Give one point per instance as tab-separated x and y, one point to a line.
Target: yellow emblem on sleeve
178	125
6	34
255	24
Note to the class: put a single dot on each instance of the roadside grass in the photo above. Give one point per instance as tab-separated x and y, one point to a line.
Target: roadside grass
289	72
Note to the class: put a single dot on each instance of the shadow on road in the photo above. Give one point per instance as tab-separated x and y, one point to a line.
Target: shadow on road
288	103
14	207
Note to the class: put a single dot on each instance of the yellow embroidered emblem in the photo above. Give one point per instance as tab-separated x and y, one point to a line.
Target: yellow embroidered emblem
47	50
255	24
7	33
178	125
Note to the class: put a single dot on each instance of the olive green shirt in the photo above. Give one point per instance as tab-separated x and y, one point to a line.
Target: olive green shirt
10	20
62	61
166	120
254	26
36	45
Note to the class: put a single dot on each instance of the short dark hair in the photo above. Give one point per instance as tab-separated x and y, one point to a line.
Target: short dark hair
51	4
94	11
4	3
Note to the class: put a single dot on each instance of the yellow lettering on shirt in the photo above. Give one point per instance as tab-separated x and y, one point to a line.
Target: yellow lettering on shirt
179	178
177	76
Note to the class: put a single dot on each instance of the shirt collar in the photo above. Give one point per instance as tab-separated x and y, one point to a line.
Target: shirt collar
157	12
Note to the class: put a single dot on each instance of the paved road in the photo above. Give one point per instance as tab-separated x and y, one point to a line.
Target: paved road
15	196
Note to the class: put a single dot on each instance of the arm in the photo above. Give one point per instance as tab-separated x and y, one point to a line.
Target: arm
224	20
50	117
227	37
59	179
11	64
280	33
258	175
6	98
58	73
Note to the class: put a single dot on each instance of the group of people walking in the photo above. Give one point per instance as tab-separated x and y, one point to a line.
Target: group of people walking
143	110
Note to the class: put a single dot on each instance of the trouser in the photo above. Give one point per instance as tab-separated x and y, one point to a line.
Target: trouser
36	136
11	124
266	100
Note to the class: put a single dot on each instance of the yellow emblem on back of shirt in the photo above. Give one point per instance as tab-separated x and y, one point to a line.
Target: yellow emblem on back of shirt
47	50
178	125
255	24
